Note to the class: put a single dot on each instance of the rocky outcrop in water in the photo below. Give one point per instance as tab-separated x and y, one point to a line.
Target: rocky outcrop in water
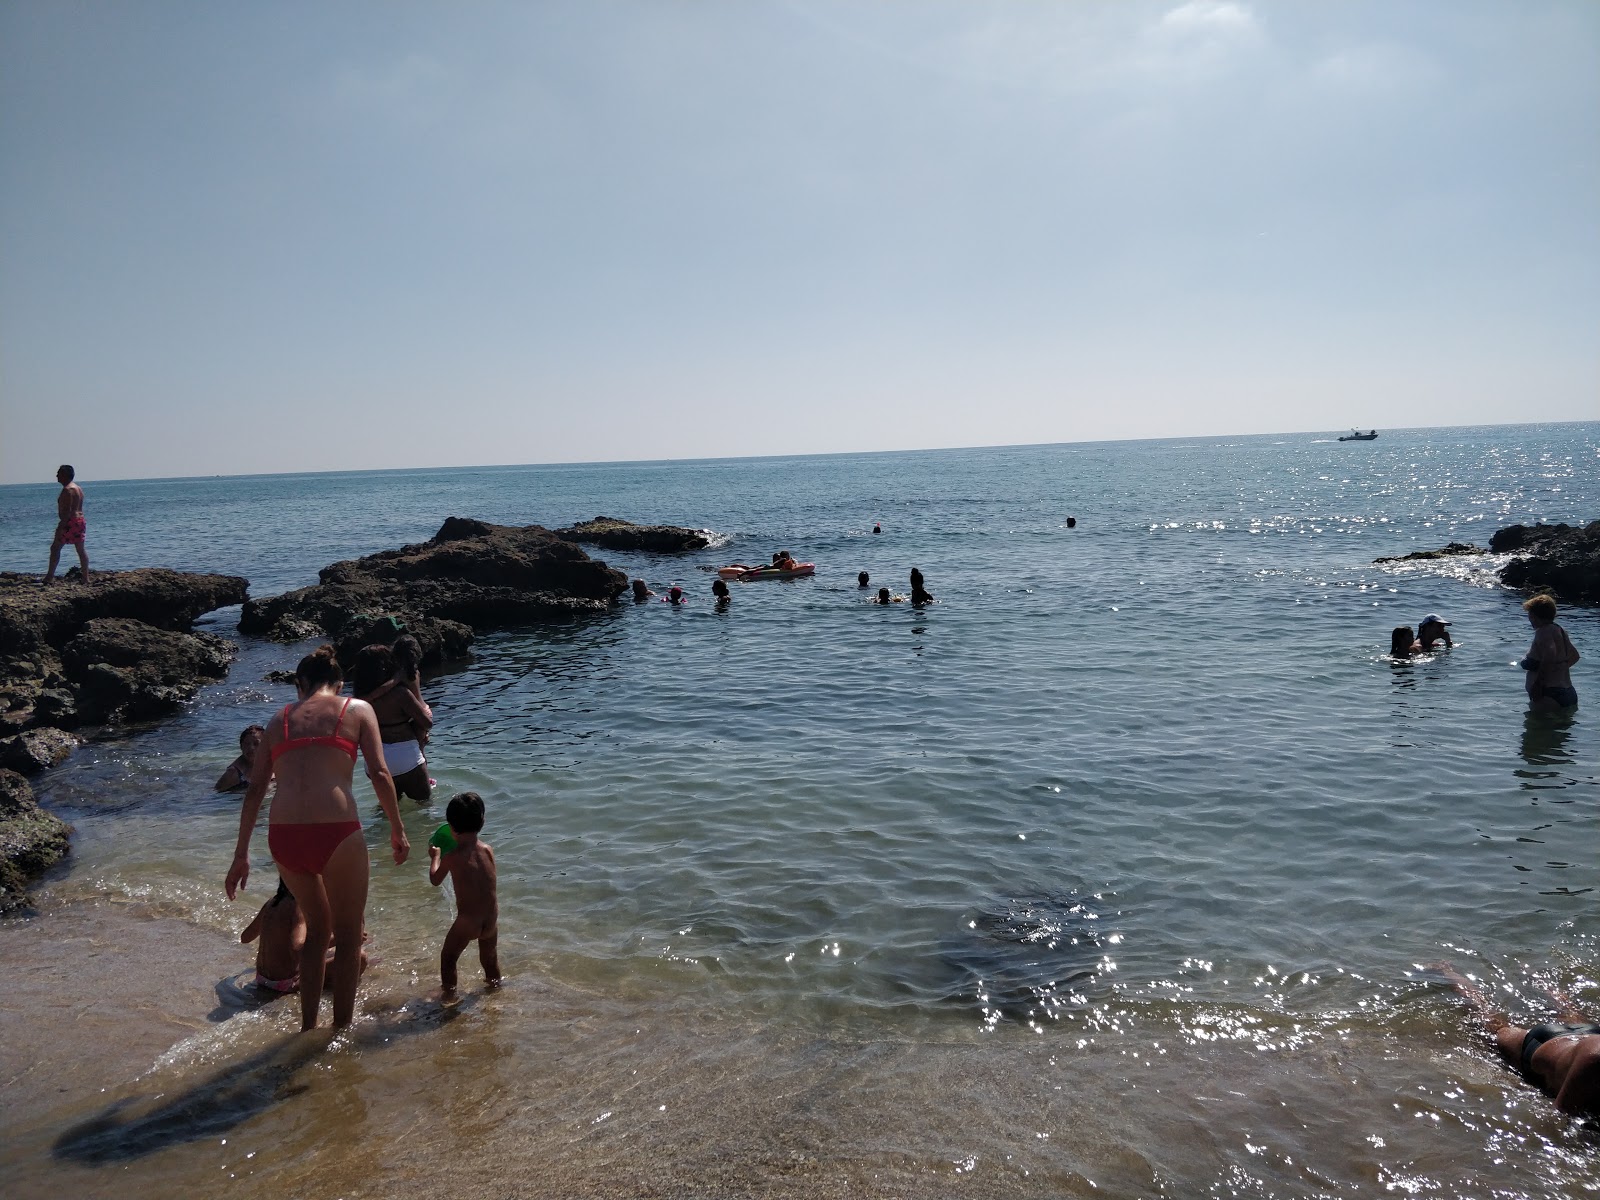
115	649
1563	560
469	577
1450	551
31	839
616	534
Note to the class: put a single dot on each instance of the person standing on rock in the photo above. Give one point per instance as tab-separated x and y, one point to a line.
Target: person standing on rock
70	525
314	829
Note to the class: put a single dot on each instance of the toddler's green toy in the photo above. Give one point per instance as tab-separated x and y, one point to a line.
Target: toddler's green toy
444	838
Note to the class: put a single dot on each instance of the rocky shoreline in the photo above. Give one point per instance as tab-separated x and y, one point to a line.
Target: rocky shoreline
77	655
1561	559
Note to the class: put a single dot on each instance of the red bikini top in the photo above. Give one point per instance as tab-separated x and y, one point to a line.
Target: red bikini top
333	739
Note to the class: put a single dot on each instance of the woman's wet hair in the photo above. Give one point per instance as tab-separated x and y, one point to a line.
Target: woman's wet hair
1400	640
374	667
863	580
883	595
465	812
1541	606
719	587
320	668
283	893
407	656
248	730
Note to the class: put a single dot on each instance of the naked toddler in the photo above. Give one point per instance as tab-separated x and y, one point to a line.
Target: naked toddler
470	865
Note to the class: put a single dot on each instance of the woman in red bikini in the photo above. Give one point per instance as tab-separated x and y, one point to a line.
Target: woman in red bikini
314	831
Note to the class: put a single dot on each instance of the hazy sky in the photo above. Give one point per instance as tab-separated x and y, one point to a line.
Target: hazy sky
241	237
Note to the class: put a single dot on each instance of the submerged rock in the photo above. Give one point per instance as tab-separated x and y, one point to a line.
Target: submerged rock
1026	957
617	534
469	577
1563	560
31	840
1450	551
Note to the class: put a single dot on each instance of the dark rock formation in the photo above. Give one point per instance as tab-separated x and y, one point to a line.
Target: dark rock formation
124	668
1450	551
470	576
33	750
1563	560
31	839
75	654
616	534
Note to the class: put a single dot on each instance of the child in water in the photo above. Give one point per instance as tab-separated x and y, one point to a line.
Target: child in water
470	867
281	928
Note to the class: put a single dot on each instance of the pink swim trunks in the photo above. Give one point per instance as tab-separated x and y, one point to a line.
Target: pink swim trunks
71	531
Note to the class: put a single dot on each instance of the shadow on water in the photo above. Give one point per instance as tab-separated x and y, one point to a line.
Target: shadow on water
1030	956
130	1128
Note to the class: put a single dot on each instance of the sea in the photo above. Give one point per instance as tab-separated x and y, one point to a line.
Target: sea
1122	869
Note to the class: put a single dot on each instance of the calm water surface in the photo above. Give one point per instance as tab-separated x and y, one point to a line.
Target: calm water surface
1142	799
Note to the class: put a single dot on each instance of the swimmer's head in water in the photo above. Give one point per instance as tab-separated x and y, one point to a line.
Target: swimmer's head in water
1540	608
1400	641
719	587
863	579
675	594
883	595
640	591
250	735
319	669
374	667
465	812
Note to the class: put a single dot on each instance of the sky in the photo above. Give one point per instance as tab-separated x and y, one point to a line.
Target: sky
240	237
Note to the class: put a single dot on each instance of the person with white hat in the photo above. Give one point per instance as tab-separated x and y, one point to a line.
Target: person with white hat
1431	629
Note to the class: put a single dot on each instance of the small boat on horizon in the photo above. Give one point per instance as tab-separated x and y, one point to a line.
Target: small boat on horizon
1355	435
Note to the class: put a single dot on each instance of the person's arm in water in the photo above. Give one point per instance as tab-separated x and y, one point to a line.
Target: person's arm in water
371	742
232	778
260	777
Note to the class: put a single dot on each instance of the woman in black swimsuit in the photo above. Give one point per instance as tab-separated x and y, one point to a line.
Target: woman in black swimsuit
1561	1057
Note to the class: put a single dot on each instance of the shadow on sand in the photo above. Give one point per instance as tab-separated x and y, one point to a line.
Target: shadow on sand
135	1126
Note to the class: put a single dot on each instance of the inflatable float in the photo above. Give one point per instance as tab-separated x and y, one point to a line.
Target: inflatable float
746	574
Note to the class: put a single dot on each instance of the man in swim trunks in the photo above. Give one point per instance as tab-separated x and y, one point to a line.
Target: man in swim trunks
70	525
1561	1057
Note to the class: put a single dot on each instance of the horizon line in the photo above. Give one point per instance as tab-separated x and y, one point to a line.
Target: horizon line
618	462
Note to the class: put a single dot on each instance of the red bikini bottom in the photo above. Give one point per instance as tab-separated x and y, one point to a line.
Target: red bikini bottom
305	848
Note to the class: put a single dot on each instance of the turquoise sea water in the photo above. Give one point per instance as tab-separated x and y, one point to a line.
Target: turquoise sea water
1149	780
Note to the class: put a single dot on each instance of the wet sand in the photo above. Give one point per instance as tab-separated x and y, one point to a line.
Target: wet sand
131	1065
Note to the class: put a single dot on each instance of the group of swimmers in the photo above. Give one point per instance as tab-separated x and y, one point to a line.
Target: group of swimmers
675	595
1546	667
312	931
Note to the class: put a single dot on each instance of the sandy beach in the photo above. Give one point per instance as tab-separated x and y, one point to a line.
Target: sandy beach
123	1074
